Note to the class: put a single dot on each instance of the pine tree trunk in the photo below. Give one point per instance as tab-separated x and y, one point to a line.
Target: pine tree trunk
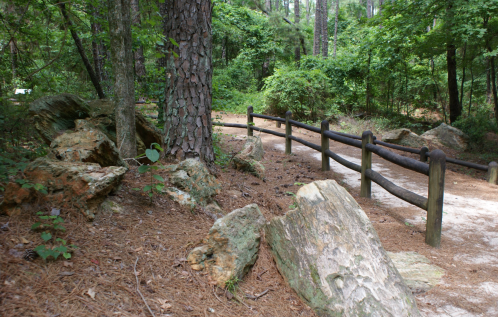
308	11
139	52
81	51
335	27
488	80
297	50
455	108
464	64
325	33
318	28
99	51
122	65
187	127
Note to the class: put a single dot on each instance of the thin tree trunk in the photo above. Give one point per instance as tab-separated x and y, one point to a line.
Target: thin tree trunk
463	75
369	9
13	57
161	61
471	86
297	50
308	11
318	28
139	52
325	33
122	64
488	80
455	109
99	51
277	5
381	2
268	6
188	96
81	51
335	26
493	82
286	4
368	83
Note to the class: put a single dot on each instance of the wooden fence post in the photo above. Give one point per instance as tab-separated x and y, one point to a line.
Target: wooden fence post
325	146
278	124
493	173
366	163
437	168
288	131
250	121
423	154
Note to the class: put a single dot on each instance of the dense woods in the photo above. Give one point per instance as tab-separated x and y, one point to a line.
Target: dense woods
405	61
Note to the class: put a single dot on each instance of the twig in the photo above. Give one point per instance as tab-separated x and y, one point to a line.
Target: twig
255	297
138	290
132	159
260	274
240	301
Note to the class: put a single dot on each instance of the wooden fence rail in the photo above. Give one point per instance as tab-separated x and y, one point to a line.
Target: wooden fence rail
433	204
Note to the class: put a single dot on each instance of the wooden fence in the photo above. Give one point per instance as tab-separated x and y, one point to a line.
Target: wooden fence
435	171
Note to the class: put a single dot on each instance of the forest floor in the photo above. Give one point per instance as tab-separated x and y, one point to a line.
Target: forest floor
100	278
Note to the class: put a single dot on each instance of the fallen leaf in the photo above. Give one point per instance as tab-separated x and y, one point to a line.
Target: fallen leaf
67	263
164	304
94	261
91	293
23	240
138	249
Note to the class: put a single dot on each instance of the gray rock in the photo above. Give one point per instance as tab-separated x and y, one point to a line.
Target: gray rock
416	270
193	177
447	136
329	253
180	196
248	159
404	137
86	144
232	245
253	148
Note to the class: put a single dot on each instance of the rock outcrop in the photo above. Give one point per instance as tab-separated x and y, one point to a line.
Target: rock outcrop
404	137
416	270
448	136
248	159
86	144
193	177
231	246
82	186
329	253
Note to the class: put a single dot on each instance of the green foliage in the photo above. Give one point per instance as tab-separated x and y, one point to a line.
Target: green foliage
222	159
153	155
50	226
231	284
477	126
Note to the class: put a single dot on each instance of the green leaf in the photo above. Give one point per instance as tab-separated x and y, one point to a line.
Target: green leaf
136	188
66	255
173	42
146	188
152	155
175	54
59	227
39	213
36	225
61	249
159	187
46	236
151	194
143	169
158	177
157	146
27	185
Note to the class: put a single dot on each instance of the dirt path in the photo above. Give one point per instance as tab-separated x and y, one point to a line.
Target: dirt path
469	251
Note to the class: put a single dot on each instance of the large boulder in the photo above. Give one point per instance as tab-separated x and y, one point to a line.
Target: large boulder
404	137
447	136
86	144
193	177
78	185
417	271
55	114
248	159
231	246
329	253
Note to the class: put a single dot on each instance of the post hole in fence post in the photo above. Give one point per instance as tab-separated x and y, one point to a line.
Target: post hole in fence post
423	154
250	120
493	173
366	163
437	168
288	131
325	146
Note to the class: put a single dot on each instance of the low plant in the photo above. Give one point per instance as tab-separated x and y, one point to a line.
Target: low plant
231	284
153	155
50	226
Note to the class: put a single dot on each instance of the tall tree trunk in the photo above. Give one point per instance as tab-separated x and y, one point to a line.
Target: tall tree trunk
381	2
122	65
493	82
139	52
187	127
268	6
161	61
318	28
99	50
488	80
368	82
277	5
335	25
464	64
471	86
308	11
369	9
286	4
81	51
297	50
325	32
13	57
455	108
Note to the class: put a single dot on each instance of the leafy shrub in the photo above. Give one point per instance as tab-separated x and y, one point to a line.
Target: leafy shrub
304	92
476	126
153	155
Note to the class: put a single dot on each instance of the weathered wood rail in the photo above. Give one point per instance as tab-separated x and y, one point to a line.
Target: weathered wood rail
435	170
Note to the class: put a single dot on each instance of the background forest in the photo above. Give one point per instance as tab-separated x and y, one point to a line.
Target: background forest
401	63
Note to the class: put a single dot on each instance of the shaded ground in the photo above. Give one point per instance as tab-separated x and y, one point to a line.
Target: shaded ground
161	234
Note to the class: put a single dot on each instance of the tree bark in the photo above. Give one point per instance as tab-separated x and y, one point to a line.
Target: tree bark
318	28
286	4
139	52
325	33
308	11
187	127
122	64
488	80
369	9
297	50
81	51
13	57
493	84
335	26
464	64
268	6
99	51
455	108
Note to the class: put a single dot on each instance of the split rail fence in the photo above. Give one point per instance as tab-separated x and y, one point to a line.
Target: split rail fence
435	170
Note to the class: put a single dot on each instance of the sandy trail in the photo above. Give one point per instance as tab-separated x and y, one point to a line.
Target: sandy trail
470	233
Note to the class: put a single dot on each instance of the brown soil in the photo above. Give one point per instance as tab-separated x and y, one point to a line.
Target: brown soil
161	235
